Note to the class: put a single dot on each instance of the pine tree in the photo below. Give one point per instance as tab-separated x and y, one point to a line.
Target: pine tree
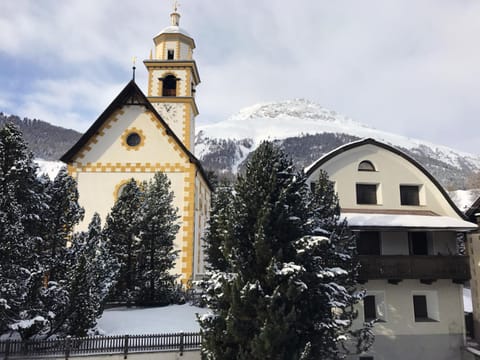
219	226
22	207
20	171
89	280
276	296
122	230
156	255
64	212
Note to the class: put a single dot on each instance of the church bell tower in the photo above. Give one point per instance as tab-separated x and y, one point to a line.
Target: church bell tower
172	80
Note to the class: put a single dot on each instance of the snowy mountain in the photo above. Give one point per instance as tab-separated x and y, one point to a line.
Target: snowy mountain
307	131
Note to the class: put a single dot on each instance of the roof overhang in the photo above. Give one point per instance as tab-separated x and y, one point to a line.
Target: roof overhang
404	222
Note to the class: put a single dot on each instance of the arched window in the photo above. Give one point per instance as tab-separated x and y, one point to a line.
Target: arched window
170	86
366	165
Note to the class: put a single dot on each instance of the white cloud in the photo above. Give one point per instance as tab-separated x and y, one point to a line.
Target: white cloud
399	65
67	102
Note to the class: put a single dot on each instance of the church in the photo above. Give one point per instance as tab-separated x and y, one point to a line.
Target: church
138	135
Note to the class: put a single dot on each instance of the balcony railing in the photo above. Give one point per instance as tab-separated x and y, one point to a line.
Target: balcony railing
423	267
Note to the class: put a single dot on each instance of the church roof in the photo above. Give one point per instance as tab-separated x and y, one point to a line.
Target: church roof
130	95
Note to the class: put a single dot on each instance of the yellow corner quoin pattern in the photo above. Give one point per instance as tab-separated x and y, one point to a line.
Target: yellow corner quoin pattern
166	71
100	133
170	139
127	167
188	225
167	147
130	131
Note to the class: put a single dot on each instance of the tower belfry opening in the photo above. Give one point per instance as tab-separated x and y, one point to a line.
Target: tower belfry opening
173	77
170	86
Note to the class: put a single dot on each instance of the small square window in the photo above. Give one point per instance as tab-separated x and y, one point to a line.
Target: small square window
425	306
409	195
367	194
368	243
170	54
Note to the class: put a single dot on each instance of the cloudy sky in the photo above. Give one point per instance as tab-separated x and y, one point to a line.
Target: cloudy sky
407	66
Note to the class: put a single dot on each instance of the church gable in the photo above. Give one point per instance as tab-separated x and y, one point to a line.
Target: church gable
130	133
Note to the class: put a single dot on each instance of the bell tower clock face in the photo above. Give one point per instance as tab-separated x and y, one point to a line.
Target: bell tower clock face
169	112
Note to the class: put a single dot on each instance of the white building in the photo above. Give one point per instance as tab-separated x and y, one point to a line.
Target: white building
139	135
407	227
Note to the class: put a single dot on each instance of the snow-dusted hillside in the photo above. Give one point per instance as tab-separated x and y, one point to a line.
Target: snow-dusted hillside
297	118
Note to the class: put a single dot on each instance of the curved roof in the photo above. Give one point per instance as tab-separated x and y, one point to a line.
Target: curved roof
369	141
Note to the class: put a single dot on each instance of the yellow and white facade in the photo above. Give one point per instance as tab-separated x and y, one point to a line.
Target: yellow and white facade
139	135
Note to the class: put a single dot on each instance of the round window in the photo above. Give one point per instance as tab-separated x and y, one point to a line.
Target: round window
133	139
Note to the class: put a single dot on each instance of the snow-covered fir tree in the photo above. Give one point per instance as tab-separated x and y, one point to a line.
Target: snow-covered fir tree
218	227
277	297
156	254
89	280
122	229
64	212
22	205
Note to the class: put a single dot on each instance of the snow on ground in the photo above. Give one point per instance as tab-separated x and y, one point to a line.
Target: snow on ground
51	168
160	320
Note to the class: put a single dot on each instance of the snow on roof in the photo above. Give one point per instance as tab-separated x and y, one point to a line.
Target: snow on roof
174	30
407	221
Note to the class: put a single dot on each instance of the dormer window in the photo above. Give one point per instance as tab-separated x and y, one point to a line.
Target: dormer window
169	86
366	165
170	54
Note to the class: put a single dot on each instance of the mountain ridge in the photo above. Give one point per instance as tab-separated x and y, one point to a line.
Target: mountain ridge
307	131
304	129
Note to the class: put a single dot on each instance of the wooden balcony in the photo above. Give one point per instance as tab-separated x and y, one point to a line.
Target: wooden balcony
423	267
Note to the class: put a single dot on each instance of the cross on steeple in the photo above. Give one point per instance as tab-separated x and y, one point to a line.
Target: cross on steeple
175	16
